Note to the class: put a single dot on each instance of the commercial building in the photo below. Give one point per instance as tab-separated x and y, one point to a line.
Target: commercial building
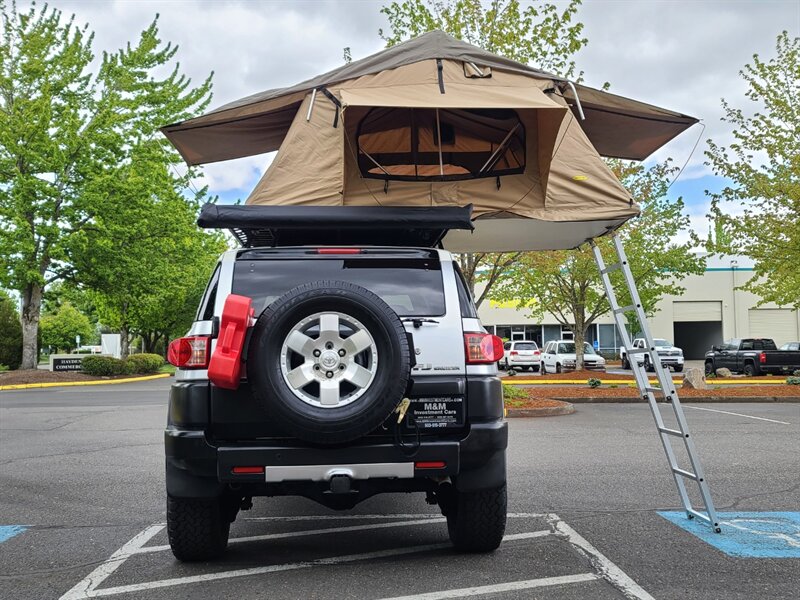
711	310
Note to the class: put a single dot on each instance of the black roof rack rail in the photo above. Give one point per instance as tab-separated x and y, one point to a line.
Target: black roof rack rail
265	226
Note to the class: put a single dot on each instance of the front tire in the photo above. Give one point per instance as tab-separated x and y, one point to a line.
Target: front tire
477	520
678	368
750	370
709	369
198	529
558	367
626	364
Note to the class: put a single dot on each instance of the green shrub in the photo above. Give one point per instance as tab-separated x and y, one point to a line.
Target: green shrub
594	383
11	337
103	366
793	380
796	373
143	364
511	392
4	368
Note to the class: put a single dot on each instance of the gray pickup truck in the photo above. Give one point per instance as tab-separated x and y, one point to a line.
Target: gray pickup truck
753	357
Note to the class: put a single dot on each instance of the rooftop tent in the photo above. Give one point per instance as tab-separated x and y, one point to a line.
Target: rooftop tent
437	122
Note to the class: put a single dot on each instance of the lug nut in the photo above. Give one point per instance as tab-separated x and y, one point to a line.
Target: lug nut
341	367
329	374
341	352
316	367
317	352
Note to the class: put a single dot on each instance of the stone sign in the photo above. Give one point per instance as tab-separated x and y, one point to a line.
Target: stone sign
66	362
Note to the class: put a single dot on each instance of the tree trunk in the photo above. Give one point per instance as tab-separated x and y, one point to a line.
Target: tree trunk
29	318
579	333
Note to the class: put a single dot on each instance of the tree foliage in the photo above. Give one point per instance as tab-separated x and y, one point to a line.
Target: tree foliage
541	34
566	283
10	332
66	126
60	328
763	163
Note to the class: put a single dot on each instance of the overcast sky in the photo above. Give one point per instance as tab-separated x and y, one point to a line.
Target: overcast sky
680	54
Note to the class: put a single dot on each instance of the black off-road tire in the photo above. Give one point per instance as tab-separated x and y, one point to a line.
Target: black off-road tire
626	364
476	521
326	426
678	368
198	529
709	368
750	370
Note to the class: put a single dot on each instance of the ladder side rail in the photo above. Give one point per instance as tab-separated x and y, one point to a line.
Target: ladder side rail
641	378
665	379
666	383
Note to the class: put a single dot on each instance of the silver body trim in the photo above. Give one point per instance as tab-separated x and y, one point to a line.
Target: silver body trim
326	472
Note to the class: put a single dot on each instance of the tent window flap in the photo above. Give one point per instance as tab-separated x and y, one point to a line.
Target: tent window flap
414	144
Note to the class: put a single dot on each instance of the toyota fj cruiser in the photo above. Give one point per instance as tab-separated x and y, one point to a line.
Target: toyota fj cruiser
364	370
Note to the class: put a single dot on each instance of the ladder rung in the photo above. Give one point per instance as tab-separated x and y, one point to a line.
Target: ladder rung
628	308
701	516
654	390
638	350
611	268
669	431
686	474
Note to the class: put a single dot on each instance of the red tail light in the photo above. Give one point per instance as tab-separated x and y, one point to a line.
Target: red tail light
762	358
430	464
482	348
338	250
248	470
189	352
513	353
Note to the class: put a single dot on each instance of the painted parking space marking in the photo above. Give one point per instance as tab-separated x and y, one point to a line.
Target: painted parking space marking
747	534
9	531
513	586
604	569
726	412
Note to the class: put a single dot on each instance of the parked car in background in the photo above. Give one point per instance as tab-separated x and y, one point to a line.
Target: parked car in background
671	356
752	356
523	355
559	355
790	346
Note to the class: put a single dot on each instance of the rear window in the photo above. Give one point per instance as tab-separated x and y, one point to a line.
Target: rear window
525	346
411	286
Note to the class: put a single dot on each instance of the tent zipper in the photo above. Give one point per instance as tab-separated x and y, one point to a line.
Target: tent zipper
439	69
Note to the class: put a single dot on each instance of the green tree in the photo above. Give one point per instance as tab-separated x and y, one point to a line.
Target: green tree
10	332
566	283
541	34
60	329
64	131
763	164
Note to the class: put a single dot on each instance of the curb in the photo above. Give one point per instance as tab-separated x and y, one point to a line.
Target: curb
544	411
684	400
28	386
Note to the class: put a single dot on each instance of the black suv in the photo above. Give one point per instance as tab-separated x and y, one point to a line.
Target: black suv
363	370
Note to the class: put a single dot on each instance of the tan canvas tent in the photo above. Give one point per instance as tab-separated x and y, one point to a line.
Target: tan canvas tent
438	122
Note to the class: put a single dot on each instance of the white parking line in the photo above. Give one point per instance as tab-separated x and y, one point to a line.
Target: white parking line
607	569
725	412
501	587
290	534
88	587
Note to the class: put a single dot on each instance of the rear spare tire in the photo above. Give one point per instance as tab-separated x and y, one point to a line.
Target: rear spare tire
329	360
476	521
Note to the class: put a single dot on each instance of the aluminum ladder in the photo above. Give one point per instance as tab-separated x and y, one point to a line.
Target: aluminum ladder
666	387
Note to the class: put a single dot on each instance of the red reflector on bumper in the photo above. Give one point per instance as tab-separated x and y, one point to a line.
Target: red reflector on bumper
248	470
430	464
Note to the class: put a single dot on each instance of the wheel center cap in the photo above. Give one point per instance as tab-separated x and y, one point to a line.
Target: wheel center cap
329	359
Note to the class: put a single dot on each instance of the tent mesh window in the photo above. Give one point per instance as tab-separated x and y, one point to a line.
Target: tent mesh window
410	144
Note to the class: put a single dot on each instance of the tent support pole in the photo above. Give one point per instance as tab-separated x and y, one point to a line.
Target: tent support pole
311	104
439	136
666	387
577	100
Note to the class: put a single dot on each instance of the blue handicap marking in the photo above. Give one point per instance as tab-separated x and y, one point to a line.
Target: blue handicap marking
9	531
747	534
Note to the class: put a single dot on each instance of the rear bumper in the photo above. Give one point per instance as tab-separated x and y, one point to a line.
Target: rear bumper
200	467
197	468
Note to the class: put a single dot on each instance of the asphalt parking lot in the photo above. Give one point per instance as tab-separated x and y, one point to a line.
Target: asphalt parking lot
82	512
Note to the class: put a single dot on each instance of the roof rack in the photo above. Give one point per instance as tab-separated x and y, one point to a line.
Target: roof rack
270	226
